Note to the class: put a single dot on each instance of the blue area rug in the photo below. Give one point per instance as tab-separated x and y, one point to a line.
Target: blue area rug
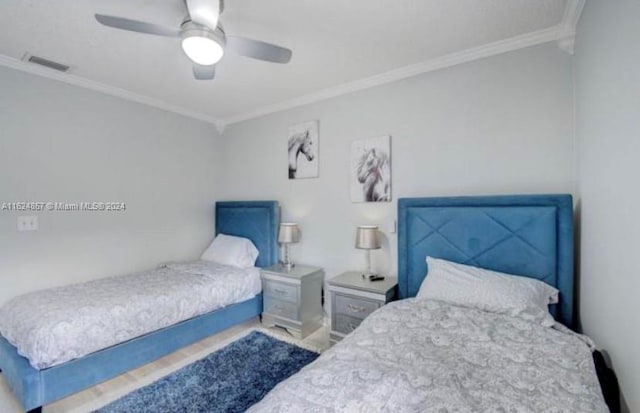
229	380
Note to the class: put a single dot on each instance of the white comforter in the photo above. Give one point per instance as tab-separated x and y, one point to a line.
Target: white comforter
53	326
428	356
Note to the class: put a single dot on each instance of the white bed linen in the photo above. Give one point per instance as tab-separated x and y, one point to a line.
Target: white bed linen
50	327
429	356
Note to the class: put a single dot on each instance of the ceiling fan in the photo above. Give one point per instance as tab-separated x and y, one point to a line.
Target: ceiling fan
203	38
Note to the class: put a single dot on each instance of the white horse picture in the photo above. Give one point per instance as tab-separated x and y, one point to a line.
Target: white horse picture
371	170
303	150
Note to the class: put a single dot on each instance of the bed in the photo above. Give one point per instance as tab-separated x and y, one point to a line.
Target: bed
418	354
255	220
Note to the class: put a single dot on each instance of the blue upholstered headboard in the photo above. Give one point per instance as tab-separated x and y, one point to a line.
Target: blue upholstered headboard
256	220
529	235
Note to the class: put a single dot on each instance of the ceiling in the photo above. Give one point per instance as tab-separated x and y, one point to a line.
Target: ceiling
338	46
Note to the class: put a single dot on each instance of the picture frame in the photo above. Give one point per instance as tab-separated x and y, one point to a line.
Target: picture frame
370	170
302	155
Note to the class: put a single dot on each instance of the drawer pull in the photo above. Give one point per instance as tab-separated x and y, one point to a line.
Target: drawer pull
356	309
352	327
279	307
279	291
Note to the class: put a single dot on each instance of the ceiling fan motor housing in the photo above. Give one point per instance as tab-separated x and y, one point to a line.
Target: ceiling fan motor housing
191	29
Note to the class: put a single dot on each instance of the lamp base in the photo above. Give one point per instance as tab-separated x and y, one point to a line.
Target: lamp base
286	262
287	265
368	272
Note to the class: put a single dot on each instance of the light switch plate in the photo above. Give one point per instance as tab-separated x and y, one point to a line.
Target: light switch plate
28	223
392	227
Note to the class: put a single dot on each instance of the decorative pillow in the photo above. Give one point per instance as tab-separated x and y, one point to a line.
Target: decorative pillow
229	250
486	290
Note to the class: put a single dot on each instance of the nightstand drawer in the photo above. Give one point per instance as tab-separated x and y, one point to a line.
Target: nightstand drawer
280	308
354	298
281	291
345	324
355	307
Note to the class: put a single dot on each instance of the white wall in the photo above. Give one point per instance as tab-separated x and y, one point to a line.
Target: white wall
608	128
62	143
498	125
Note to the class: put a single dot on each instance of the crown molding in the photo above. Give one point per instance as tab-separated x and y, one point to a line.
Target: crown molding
569	25
82	82
563	33
491	49
220	127
572	13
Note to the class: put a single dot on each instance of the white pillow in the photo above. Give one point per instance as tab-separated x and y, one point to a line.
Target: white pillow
486	290
229	250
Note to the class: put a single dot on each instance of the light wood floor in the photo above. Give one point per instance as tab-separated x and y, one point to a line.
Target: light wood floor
97	396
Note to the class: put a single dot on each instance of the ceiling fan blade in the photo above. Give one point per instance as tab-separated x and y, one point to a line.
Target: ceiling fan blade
258	50
201	72
136	26
204	12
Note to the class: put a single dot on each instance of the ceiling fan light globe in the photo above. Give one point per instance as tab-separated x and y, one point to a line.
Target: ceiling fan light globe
202	50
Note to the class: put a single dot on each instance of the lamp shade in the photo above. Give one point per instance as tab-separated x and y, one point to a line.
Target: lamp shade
367	237
288	233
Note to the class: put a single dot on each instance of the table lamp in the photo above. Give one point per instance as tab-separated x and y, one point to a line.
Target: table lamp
367	238
288	234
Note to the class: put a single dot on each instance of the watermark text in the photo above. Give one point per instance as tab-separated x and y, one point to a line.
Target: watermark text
31	206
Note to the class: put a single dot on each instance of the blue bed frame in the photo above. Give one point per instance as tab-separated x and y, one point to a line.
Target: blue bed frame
528	235
256	220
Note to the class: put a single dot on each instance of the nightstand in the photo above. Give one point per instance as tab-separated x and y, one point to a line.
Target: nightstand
293	298
353	298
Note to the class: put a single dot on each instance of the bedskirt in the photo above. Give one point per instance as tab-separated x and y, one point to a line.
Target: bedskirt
35	388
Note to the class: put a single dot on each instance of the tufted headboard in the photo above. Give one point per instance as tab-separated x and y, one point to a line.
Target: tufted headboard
529	235
256	220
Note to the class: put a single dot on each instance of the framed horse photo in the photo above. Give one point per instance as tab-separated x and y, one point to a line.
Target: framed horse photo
303	150
371	170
